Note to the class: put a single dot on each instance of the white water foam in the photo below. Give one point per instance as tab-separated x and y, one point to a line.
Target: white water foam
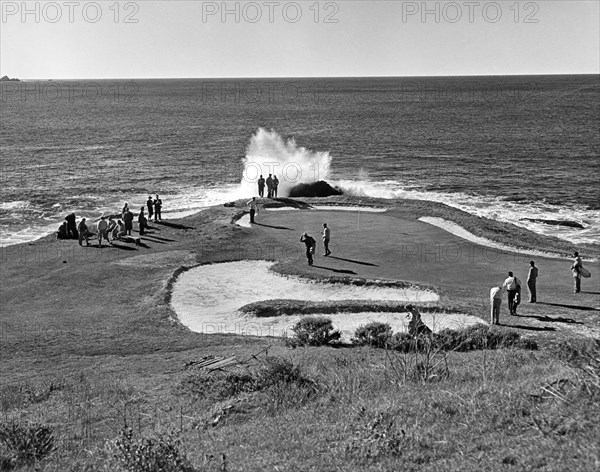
489	207
268	153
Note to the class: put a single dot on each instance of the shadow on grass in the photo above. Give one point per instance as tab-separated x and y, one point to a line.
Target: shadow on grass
339	271
125	248
529	328
591	293
549	319
173	225
145	238
574	307
353	261
158	238
271	226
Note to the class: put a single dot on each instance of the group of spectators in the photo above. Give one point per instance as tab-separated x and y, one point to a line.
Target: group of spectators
272	182
110	229
512	286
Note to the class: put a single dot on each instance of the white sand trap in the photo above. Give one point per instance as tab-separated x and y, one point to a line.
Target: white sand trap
244	221
206	299
459	231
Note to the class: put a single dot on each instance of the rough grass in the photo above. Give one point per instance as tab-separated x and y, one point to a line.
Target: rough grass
322	409
284	307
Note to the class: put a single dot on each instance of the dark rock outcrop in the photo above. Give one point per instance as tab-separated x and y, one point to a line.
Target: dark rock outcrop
6	78
571	224
316	189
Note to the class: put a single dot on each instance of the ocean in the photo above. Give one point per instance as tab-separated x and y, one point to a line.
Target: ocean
513	149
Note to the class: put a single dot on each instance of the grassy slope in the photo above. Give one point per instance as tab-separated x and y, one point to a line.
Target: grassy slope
88	345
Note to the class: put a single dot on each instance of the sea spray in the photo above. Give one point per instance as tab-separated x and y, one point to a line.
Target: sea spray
268	153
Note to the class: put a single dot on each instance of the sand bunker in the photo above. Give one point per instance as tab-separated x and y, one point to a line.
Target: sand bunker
459	231
206	299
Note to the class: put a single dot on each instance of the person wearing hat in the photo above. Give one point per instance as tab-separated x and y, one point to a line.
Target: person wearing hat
531	278
310	246
576	269
150	206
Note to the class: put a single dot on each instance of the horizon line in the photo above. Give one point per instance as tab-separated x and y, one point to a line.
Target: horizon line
308	77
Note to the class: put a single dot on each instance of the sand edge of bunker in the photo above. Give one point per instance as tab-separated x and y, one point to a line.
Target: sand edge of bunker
202	310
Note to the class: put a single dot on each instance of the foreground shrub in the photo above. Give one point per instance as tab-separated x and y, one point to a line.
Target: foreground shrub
474	337
160	454
375	334
583	355
23	444
315	331
478	336
284	384
218	386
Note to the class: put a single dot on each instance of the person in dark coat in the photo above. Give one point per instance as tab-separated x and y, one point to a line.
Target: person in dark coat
128	220
531	282
72	226
84	232
157	209
142	221
150	205
269	186
261	186
62	231
310	247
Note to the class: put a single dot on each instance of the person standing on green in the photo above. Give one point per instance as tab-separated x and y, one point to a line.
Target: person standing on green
310	246
157	209
531	278
576	269
512	285
261	186
150	206
128	220
326	238
495	302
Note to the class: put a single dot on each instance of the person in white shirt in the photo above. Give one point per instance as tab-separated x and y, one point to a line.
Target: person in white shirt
326	238
102	230
512	286
253	204
495	302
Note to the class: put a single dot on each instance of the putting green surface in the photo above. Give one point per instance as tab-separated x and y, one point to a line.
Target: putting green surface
375	245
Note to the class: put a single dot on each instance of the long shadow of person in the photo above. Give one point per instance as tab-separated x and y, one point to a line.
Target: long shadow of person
339	271
353	261
274	227
574	307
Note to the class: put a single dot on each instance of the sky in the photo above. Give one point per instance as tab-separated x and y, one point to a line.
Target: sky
78	39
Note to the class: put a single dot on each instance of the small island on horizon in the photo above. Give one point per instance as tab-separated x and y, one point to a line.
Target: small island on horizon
6	78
